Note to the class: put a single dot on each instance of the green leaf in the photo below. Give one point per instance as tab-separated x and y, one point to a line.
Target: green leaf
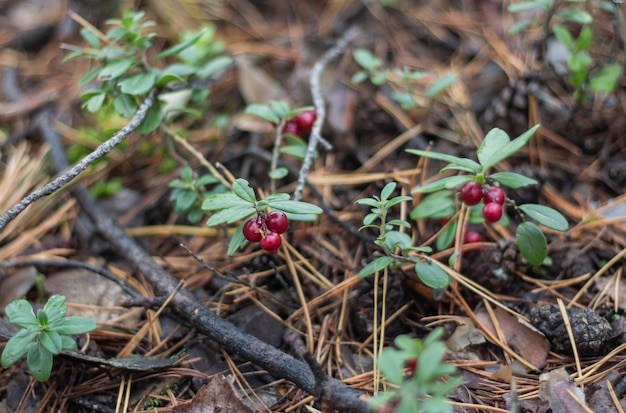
495	140
223	201
301	217
512	147
575	15
242	189
359	77
153	119
465	162
398	200
185	200
75	325
237	241
523	6
263	112
67	343
374	203
51	340
125	105
366	59
584	38
298	151
440	85
94	103
295	207
214	66
449	182
437	205
446	237
520	26
431	275
54	305
280	108
387	190
164	79
138	84
227	216
279	173
181	46
512	179
605	81
39	362
17	346
20	312
377	265
397	239
378	78
116	69
391	364
545	216
531	243
564	36
42	317
89	76
90	37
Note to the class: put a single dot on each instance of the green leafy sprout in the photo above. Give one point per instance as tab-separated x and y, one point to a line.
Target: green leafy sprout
495	147
126	74
43	335
420	377
241	204
188	192
585	76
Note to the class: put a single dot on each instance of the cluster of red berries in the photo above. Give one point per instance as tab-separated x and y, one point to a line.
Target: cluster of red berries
266	229
300	124
472	193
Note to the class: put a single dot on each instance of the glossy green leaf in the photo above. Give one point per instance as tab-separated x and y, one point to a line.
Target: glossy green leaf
279	173
295	207
446	237
214	66
125	105
17	346
180	46
242	189
436	205
440	85
366	59
510	148
39	361
223	201
520	26
377	265
75	325
545	216
605	81
51	340
153	119
90	37
524	5
397	239
531	243
449	182
237	241
116	69
230	215
495	140
94	103
165	79
576	16
20	312
564	36
263	112
465	162
431	274
138	84
512	179
387	190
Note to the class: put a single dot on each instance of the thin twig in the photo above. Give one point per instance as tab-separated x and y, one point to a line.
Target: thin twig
320	108
68	176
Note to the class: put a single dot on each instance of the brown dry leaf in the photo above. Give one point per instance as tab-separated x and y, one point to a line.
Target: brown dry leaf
528	342
17	285
465	335
255	84
620	297
217	396
559	391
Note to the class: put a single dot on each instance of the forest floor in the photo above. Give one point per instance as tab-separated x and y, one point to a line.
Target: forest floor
307	300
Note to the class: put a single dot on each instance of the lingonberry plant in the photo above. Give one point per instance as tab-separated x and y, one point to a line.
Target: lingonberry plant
259	224
291	125
480	185
398	246
421	377
43	335
188	191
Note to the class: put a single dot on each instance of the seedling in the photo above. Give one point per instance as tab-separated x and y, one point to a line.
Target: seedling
479	185
258	223
189	191
421	378
42	336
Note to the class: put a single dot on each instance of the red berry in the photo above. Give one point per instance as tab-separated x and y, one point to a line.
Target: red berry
472	237
471	193
305	120
494	194
492	212
411	365
271	242
291	128
252	230
277	221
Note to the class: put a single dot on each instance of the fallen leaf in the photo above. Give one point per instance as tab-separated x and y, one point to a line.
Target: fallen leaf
620	297
464	335
219	396
561	392
255	84
521	337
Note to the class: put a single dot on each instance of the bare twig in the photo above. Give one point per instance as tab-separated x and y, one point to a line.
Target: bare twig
68	176
320	108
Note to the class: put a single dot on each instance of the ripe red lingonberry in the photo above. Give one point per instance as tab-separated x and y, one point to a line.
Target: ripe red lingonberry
277	221
494	194
492	212
471	193
291	128
305	120
411	365
252	229
271	242
472	237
